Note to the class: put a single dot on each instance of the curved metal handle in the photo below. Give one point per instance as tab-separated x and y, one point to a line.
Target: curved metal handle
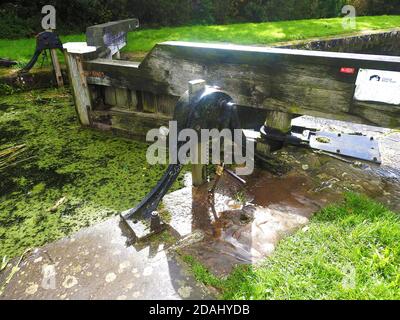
32	62
153	199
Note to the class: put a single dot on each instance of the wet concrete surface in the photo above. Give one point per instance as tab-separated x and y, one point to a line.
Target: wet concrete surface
100	263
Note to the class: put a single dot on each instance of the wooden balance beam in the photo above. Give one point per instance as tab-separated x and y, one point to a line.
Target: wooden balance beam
134	97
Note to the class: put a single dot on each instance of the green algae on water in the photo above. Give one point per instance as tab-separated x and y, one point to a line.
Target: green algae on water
96	174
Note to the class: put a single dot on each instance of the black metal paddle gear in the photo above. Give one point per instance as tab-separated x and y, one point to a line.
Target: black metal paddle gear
44	41
209	109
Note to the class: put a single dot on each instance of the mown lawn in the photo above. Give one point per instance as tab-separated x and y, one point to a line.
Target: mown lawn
257	33
244	33
348	251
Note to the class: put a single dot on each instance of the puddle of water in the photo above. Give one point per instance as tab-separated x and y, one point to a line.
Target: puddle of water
269	190
245	233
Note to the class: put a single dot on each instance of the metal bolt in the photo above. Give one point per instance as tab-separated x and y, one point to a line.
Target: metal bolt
155	222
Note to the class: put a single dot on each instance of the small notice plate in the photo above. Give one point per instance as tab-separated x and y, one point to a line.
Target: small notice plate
355	146
378	86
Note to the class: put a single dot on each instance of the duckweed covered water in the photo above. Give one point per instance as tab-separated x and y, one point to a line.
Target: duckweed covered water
67	177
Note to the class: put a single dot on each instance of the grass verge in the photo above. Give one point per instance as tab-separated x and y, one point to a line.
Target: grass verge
243	33
348	251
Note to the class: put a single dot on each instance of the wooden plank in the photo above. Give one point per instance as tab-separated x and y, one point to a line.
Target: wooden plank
130	123
384	115
110	96
237	54
293	81
251	86
122	98
80	90
133	101
57	68
122	74
149	102
116	63
166	104
111	35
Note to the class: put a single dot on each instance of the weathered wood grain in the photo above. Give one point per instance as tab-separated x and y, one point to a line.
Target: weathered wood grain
57	68
111	35
131	123
291	81
110	96
384	115
221	53
122	97
80	90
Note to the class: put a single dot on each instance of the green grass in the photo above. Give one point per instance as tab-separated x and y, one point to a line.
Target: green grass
22	50
245	33
202	274
349	251
257	33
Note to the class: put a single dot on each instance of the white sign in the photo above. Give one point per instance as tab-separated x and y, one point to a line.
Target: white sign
378	86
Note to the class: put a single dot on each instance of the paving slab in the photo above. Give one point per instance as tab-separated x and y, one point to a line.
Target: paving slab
100	263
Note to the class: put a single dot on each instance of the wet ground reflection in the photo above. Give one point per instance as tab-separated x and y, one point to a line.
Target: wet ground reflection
250	221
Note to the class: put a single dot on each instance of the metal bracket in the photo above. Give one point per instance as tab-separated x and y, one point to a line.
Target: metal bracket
350	145
144	229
